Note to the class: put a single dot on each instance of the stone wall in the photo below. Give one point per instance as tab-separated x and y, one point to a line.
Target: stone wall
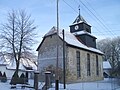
47	56
72	66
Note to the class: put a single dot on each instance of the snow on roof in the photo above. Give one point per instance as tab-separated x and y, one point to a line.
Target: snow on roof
72	40
28	63
82	32
12	65
52	31
106	65
23	64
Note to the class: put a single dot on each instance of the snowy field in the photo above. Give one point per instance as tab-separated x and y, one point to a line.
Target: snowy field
106	84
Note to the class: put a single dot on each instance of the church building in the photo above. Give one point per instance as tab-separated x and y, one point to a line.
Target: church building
83	61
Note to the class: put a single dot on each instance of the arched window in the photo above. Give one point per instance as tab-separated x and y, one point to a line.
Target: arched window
88	64
97	65
78	63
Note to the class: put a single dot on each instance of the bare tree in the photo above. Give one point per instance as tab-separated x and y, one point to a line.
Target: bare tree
18	35
111	49
105	46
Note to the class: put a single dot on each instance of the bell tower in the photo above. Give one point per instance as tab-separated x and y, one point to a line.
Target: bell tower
80	25
82	30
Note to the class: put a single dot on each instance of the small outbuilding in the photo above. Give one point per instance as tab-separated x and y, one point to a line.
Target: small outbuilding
106	69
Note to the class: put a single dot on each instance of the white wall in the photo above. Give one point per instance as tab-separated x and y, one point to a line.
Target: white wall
9	73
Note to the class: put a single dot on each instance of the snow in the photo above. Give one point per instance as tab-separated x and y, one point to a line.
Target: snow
72	40
83	32
7	86
23	63
52	31
106	84
106	65
28	63
76	23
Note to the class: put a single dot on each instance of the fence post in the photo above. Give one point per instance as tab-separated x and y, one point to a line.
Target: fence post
47	79
36	75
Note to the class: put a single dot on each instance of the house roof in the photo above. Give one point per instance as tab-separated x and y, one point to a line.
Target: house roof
12	65
25	64
106	65
71	40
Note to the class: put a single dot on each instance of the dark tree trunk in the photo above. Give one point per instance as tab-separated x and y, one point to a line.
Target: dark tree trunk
15	77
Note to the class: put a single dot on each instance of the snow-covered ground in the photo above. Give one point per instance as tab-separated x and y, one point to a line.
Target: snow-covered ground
106	84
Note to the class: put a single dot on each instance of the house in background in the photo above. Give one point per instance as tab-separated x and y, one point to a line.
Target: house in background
8	65
3	64
106	69
83	61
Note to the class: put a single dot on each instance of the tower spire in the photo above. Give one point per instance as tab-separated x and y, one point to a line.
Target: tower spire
79	12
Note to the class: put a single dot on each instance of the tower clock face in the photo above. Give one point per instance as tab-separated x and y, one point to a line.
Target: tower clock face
76	27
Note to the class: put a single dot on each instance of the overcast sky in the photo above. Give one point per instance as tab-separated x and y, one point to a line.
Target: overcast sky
102	15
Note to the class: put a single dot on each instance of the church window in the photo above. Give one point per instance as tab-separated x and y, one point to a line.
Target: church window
78	63
88	64
97	65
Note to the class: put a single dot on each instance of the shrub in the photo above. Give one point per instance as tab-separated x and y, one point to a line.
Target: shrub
22	79
0	75
4	78
15	79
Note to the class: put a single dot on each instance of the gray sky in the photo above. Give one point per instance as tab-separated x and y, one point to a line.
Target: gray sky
102	15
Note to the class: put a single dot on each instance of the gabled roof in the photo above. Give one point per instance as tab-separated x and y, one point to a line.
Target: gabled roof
24	64
52	31
12	65
71	40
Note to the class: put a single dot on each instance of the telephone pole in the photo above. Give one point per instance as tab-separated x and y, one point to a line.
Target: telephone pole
64	68
57	59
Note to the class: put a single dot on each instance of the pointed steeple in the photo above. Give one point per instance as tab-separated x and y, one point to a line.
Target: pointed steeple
79	18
